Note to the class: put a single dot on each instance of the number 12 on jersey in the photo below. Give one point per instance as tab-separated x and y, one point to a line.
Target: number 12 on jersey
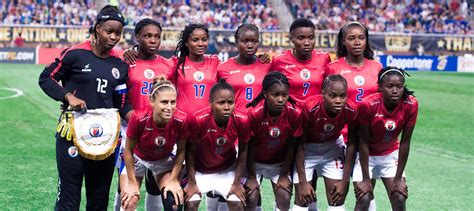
199	90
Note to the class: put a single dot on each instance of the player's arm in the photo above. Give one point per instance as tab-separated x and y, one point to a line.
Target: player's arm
120	97
398	184
283	181
252	182
365	186
191	187
173	184
305	190
237	187
133	188
51	76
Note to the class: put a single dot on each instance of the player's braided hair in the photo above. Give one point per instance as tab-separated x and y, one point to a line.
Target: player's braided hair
270	79
387	71
301	22
220	85
244	27
145	22
341	50
333	78
181	49
160	83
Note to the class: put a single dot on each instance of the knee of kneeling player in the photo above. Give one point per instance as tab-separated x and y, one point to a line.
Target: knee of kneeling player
364	201
170	202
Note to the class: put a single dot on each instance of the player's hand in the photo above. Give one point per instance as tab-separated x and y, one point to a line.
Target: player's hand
338	193
130	56
130	196
362	188
239	191
399	186
306	193
174	187
284	183
76	103
190	190
252	186
265	58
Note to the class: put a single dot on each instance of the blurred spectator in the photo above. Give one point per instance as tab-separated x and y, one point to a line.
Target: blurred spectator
18	41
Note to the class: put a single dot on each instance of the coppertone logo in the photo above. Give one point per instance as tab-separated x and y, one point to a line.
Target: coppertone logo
274	132
328	127
160	141
96	130
115	73
249	78
359	80
149	74
305	74
72	151
390	125
198	76
221	141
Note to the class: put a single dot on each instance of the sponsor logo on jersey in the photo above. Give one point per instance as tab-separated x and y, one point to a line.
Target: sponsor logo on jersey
288	66
305	74
274	132
148	128
359	80
160	141
72	151
249	78
211	130
221	141
115	73
96	130
390	125
198	76
378	115
328	127
149	74
87	68
345	71
234	71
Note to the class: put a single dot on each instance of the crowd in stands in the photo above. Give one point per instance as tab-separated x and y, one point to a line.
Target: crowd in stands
408	16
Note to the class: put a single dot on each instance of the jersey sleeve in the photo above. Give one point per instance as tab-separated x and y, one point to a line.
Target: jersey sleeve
252	122
364	113
184	132
55	72
412	114
120	97
354	114
193	126
132	128
297	124
244	127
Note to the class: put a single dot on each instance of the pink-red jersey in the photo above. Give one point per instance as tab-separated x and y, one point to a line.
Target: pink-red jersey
305	77
271	137
154	143
361	81
385	127
321	128
246	79
195	84
141	77
214	146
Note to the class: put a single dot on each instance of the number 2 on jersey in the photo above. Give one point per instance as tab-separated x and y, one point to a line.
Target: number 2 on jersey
199	90
306	86
360	94
248	93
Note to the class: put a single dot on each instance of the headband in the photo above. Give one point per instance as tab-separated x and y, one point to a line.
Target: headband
391	70
161	86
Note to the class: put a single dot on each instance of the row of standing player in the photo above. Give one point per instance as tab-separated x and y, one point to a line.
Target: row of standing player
305	69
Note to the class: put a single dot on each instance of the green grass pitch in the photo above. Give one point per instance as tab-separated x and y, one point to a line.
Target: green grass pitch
439	171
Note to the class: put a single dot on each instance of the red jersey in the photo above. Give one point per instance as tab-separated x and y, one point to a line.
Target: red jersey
154	143
246	79
271	137
141	77
385	127
305	77
215	150
321	127
195	84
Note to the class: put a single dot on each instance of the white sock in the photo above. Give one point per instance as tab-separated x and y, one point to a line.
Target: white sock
222	206
313	206
298	208
336	208
372	206
259	208
212	203
117	202
152	202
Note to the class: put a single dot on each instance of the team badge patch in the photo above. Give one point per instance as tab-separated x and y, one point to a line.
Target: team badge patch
96	130
390	125
221	141
328	127
115	73
198	76
274	132
305	74
359	80
72	151
149	74
160	141
249	78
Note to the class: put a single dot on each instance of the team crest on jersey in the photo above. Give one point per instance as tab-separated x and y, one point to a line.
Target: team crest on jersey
198	76
160	141
305	74
96	130
328	127
149	74
359	80
274	132
390	125
115	73
221	141
249	78
72	151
